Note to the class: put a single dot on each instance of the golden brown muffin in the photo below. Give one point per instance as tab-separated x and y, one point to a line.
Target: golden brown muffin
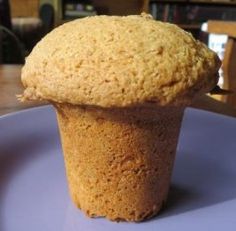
119	161
119	61
119	86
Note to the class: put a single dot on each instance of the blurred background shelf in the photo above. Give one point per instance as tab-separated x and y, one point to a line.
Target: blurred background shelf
190	26
189	14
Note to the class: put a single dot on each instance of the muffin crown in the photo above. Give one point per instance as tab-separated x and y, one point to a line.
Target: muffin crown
114	61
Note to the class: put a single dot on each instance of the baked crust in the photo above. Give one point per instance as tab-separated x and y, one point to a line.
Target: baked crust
119	61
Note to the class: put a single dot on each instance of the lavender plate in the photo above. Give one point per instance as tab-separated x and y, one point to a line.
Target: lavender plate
34	195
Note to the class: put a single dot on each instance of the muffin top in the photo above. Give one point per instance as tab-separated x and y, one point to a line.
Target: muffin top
114	61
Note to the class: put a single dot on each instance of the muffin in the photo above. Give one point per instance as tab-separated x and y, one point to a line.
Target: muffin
119	86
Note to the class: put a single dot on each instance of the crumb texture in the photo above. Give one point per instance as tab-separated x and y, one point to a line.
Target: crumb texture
119	61
119	162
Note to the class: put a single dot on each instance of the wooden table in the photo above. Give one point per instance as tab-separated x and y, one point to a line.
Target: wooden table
10	86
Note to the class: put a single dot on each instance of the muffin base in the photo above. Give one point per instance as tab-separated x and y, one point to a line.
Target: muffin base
119	161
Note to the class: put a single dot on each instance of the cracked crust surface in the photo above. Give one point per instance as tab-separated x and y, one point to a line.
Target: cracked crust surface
119	61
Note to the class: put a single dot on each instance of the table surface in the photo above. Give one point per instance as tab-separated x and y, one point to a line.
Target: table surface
10	86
